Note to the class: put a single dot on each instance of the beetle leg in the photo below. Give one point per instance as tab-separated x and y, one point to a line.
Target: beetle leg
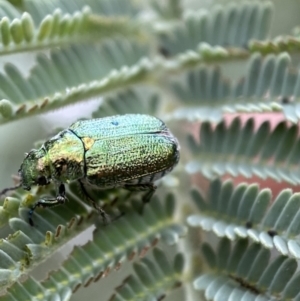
147	197
104	215
60	199
150	188
10	189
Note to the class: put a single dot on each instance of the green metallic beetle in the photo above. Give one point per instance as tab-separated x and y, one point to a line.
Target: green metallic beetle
130	151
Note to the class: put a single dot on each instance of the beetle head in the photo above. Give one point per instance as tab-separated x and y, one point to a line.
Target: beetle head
34	169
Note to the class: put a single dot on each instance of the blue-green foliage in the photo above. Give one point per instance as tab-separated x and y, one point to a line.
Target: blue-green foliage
192	64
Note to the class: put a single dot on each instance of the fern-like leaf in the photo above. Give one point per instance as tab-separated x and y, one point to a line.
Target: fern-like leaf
279	44
39	9
270	84
29	245
242	150
247	212
133	234
153	279
129	101
204	94
58	29
7	10
246	269
219	28
171	10
68	76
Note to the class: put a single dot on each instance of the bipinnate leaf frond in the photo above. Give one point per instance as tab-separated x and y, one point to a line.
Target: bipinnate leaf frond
279	44
130	235
39	9
203	93
172	9
247	212
29	245
69	75
228	26
270	84
60	30
34	288
8	10
243	268
238	149
129	101
153	279
78	73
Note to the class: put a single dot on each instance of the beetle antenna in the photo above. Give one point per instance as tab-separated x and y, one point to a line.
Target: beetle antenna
9	189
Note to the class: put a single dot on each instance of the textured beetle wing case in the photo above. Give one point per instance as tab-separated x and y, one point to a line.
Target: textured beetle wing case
119	125
123	159
127	149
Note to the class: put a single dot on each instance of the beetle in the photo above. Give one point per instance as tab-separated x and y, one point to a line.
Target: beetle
129	151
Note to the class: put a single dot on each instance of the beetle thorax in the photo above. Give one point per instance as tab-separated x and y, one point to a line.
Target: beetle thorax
65	154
